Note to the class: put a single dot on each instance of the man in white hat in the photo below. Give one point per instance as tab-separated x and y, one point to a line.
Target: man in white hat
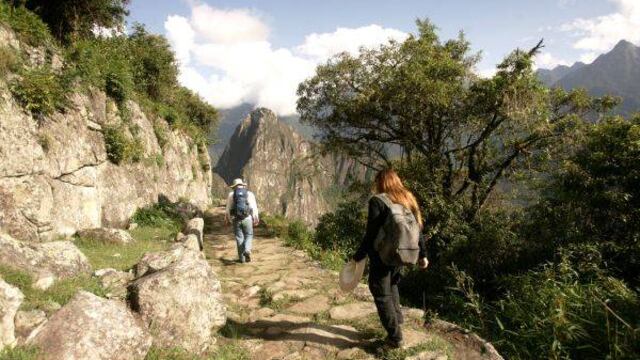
242	210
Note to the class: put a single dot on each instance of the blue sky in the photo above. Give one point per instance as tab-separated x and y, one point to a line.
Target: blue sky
216	39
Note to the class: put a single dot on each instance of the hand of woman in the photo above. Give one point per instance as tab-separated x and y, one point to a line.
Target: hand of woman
423	263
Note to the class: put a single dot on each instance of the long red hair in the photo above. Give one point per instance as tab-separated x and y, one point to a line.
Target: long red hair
387	181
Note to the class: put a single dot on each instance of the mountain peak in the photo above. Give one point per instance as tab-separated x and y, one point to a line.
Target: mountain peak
623	45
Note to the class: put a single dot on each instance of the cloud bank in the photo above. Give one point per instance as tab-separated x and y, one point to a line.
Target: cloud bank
226	57
601	33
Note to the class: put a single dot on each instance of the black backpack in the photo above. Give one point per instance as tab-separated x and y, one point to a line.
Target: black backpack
399	238
241	208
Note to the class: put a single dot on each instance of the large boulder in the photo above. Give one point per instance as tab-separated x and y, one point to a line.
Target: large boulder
10	299
107	235
156	261
90	327
114	281
181	303
60	259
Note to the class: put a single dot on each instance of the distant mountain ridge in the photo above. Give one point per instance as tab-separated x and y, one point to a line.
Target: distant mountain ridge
615	73
232	117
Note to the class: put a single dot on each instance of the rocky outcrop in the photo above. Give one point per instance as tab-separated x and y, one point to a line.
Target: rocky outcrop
10	300
195	227
27	322
179	299
286	172
107	235
51	260
56	179
90	327
115	282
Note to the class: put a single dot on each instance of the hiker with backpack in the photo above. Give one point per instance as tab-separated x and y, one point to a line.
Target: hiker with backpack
393	239
242	210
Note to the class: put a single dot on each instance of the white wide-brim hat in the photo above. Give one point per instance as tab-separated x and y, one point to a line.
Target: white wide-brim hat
351	274
238	182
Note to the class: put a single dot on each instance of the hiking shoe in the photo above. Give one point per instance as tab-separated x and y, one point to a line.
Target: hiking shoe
247	257
392	344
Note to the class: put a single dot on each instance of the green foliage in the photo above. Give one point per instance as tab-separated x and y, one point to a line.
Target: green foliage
121	147
595	198
8	61
161	134
73	20
154	69
164	215
422	96
41	91
27	25
560	312
19	353
142	67
276	224
343	229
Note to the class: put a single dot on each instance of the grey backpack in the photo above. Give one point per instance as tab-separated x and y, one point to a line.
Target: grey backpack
398	240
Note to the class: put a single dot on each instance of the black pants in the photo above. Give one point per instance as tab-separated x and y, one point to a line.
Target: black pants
383	283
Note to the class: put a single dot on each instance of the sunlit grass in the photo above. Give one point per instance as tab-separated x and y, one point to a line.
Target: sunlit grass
123	257
19	353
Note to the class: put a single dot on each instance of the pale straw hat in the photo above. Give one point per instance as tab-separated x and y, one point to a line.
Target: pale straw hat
238	182
351	274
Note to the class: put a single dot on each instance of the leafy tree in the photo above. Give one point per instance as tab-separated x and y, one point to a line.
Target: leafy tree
594	199
155	69
71	20
421	96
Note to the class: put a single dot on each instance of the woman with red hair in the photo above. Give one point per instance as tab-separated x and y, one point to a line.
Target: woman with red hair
384	278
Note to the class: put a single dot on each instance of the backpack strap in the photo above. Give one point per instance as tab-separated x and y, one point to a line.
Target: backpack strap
385	199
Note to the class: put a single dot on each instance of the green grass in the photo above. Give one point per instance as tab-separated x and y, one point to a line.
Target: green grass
19	353
124	257
435	344
100	256
231	351
60	292
228	351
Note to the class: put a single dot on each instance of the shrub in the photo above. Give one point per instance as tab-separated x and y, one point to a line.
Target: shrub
343	229
161	134
8	61
27	25
41	91
120	147
557	312
162	215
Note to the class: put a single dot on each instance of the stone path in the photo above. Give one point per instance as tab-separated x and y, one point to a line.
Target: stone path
283	305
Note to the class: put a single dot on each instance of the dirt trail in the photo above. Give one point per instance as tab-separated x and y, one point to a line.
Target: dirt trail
283	305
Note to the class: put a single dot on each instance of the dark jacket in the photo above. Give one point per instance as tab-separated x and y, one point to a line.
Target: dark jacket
378	213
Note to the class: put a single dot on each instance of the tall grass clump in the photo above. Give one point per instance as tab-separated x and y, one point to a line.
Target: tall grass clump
41	91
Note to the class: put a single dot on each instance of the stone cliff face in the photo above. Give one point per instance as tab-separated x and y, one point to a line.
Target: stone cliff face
55	178
282	168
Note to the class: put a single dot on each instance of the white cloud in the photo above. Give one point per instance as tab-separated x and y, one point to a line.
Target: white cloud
233	46
603	32
227	26
322	46
181	37
546	60
588	58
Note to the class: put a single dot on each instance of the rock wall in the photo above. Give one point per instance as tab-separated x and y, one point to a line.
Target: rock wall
286	172
55	177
